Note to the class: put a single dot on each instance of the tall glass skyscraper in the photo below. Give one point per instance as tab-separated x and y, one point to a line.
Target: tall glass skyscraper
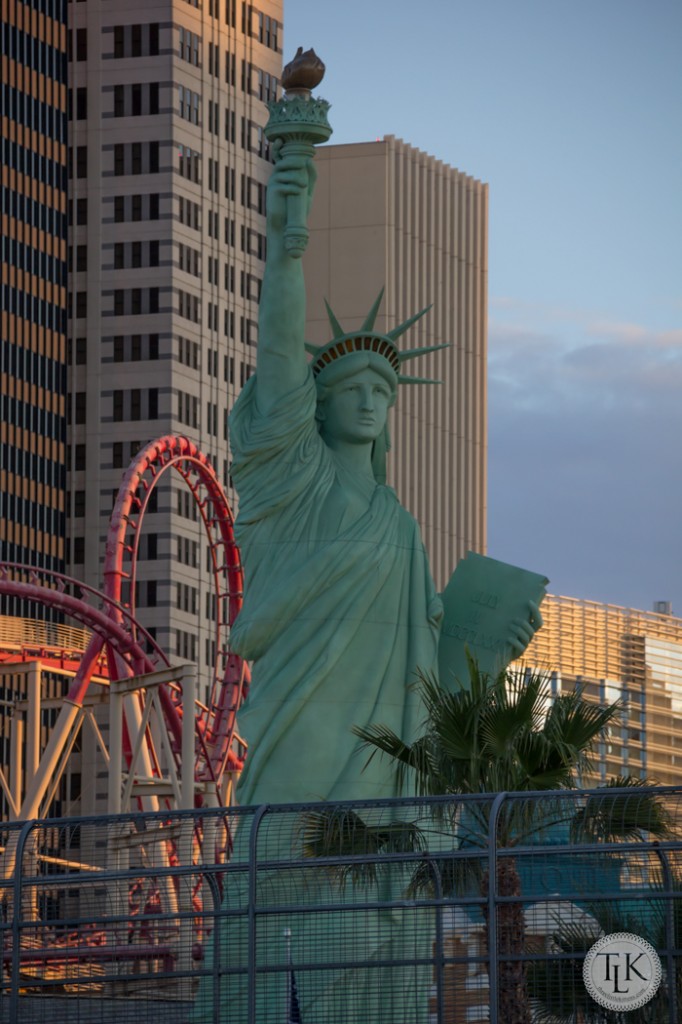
33	310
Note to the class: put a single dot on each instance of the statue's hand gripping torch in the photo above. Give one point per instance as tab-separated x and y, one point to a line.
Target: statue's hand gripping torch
300	121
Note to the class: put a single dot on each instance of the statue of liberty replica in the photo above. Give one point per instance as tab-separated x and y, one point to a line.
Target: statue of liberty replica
340	609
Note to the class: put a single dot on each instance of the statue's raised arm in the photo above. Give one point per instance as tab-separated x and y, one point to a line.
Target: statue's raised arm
297	121
281	360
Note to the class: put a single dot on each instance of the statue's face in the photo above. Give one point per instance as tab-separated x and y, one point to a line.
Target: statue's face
355	410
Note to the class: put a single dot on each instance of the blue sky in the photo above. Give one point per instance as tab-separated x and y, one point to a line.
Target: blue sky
572	112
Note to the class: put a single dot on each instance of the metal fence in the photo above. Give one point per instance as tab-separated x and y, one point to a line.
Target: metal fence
362	913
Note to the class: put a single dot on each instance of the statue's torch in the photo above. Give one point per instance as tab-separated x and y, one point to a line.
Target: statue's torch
300	121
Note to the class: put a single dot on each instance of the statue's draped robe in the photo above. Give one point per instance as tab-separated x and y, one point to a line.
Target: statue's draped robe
338	611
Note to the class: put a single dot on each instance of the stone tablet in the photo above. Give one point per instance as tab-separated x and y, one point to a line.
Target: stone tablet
481	600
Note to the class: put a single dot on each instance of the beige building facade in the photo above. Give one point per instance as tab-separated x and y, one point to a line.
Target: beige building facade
388	215
167	248
619	653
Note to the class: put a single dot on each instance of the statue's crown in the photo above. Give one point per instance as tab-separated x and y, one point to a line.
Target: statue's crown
368	340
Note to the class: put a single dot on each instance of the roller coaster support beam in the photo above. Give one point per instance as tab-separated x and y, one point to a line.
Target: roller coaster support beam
119	689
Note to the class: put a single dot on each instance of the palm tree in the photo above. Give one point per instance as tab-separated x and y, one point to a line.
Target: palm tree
503	733
557	990
627	815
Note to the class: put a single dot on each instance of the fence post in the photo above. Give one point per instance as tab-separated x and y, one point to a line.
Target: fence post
669	932
253	846
215	935
493	972
16	922
439	952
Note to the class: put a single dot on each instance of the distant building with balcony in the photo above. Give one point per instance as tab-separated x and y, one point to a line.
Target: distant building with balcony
613	652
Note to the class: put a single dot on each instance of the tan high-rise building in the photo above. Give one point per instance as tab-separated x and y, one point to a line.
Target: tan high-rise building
619	653
167	247
33	208
388	215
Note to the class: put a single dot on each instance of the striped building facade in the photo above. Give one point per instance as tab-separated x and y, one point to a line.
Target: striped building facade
617	653
33	307
388	215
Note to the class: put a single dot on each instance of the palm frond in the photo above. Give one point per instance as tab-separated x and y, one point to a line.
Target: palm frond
621	817
339	832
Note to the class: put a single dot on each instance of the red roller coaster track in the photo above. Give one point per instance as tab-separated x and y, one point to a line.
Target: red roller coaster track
127	648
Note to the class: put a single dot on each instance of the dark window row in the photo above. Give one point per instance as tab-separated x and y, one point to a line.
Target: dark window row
135	301
136	207
77	258
189	105
32	113
136	254
77	305
249	286
213	117
214	59
188	409
79	110
189	259
188	352
248	331
32	466
252	242
258	83
81	162
146	593
80	209
189	213
37	215
252	194
189	46
262	27
187	552
135	347
136	158
10	552
135	404
75	457
36	515
30	307
185	645
28	161
77	44
136	99
76	409
189	163
123	453
189	306
75	552
186	505
26	48
136	40
25	364
253	139
33	261
187	598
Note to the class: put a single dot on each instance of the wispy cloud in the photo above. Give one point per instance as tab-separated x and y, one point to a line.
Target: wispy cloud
585	467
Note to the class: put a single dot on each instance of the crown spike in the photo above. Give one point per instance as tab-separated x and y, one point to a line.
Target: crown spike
412	353
401	328
372	315
337	329
310	348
